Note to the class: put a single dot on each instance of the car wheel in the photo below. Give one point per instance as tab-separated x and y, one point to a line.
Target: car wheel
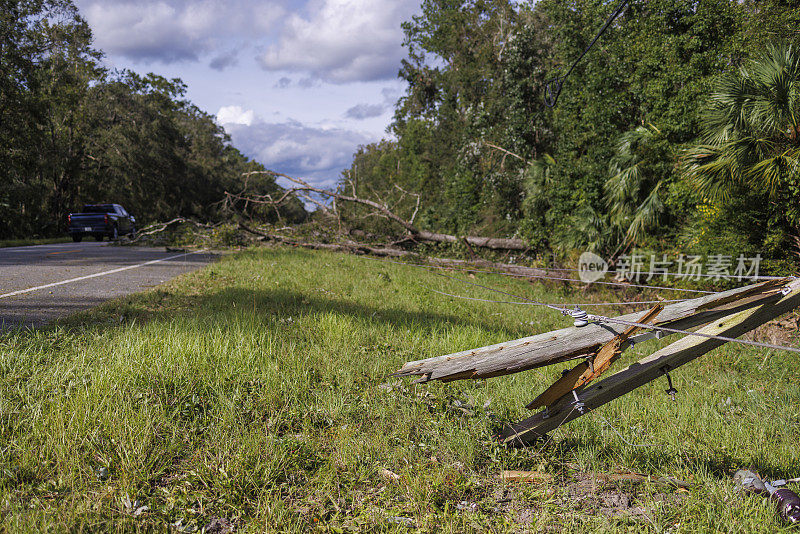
77	238
114	234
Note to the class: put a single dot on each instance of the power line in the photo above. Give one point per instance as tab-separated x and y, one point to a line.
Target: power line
531	301
680	275
604	319
566	305
553	87
621	284
540	276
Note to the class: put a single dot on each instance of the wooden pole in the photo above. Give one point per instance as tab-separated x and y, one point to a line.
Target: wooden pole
571	343
649	368
584	373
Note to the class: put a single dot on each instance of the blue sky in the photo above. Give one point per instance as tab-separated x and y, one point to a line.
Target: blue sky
298	84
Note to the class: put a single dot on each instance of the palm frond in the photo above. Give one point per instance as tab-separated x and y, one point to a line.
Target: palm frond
772	172
647	216
710	171
749	128
586	229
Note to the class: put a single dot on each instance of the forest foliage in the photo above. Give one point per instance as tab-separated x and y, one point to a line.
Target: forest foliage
677	132
74	132
610	166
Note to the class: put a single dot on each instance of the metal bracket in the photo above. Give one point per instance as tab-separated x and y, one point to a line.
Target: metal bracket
671	391
652	334
580	406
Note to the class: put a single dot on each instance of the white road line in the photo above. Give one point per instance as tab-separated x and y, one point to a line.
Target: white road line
104	273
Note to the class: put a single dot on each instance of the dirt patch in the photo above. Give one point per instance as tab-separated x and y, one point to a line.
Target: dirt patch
582	493
614	499
781	331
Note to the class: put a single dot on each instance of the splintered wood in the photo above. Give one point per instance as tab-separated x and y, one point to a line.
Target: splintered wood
596	364
571	343
729	313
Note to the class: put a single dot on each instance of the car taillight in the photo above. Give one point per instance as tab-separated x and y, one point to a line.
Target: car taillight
69	219
105	219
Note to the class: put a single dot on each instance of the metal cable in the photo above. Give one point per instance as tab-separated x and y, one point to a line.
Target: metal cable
552	88
598	282
567	305
617	432
531	301
722	276
545	277
604	319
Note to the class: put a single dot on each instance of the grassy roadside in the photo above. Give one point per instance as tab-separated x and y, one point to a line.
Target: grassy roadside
258	390
4	243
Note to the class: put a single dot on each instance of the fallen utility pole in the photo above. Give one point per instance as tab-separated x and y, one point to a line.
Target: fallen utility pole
728	314
594	366
571	343
654	366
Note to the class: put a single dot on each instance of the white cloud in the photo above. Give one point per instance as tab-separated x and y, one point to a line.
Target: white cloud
316	154
235	115
343	40
176	30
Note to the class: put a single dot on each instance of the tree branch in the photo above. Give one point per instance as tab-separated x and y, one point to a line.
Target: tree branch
508	152
384	211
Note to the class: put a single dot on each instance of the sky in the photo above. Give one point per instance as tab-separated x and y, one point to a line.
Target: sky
298	85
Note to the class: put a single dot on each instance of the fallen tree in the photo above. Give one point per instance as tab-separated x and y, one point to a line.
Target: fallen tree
157	228
389	251
378	208
347	246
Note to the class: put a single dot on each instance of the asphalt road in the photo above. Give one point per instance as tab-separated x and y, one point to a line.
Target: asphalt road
41	283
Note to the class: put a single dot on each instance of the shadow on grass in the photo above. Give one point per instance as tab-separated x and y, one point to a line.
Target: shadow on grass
278	304
717	462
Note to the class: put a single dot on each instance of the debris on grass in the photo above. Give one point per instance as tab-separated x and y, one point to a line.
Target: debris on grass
134	508
525	476
221	525
403	521
389	475
466	506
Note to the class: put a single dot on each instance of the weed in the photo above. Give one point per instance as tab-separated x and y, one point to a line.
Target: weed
257	393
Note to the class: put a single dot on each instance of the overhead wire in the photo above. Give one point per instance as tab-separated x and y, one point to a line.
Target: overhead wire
566	305
682	275
621	284
531	301
603	319
553	87
540	276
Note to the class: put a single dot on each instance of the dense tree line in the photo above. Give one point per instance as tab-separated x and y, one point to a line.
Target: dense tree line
624	159
73	132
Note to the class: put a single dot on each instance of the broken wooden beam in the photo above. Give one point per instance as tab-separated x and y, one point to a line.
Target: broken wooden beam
586	372
650	368
570	343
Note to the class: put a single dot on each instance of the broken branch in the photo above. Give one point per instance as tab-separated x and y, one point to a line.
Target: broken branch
383	210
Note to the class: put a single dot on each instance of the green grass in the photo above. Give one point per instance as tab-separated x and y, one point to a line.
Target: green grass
33	241
258	390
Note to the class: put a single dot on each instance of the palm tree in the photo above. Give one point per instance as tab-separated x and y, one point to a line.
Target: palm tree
751	133
584	228
641	163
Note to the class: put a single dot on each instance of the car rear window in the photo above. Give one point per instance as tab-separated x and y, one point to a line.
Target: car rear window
98	208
